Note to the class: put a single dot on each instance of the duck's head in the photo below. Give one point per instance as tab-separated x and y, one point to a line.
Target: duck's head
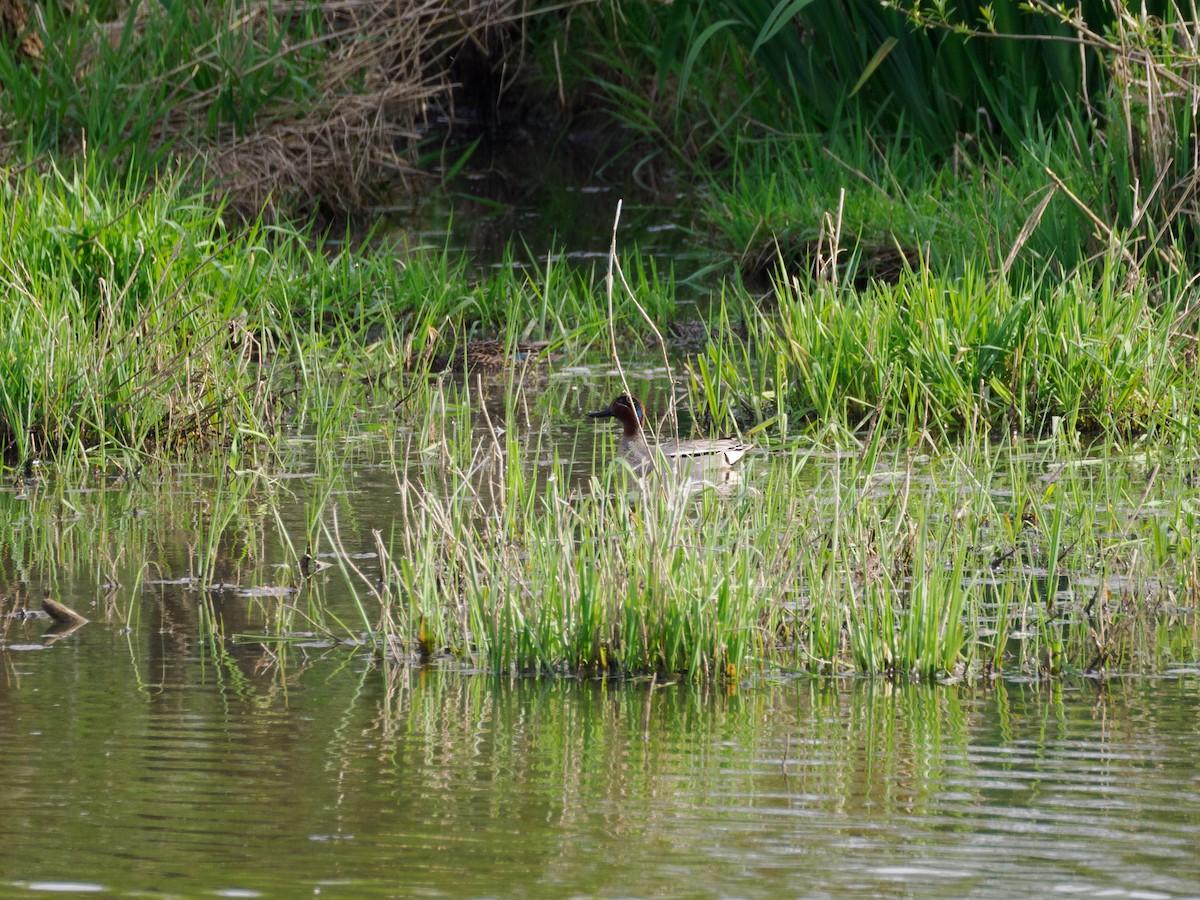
626	410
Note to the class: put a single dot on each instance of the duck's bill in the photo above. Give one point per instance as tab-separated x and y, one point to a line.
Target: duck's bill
601	414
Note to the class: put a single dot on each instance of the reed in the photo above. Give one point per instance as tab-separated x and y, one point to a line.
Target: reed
873	562
944	354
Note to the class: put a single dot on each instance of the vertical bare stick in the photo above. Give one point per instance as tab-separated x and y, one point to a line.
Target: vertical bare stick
612	334
612	328
662	344
608	279
609	284
608	287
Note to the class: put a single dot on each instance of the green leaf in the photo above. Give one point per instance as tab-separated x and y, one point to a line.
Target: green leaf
874	64
779	17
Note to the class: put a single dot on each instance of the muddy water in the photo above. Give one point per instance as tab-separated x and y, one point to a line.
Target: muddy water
165	748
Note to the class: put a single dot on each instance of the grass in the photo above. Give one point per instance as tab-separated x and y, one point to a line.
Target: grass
458	535
850	207
889	566
143	331
918	305
135	322
946	354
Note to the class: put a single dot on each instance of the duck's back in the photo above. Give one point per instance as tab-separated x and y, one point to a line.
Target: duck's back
714	454
723	451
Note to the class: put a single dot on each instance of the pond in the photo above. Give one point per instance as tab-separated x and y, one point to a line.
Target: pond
214	730
150	764
235	722
524	196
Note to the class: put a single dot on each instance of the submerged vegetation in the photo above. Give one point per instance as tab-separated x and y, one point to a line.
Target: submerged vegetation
968	358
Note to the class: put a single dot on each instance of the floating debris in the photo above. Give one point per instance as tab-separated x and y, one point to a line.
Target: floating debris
60	612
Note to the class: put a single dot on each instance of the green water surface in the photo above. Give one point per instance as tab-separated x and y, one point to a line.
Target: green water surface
335	775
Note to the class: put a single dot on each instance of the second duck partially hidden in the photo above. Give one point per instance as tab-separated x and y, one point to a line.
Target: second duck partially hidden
694	457
488	356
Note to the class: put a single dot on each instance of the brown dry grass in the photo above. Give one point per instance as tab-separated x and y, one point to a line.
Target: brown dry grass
14	29
388	69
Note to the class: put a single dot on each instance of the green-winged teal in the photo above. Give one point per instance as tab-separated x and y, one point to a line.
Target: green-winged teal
642	456
487	356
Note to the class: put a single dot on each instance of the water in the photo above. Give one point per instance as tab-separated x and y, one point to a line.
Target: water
175	746
526	197
330	774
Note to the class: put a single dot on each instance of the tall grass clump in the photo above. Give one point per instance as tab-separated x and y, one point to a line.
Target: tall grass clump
940	85
116	304
914	629
872	561
136	320
854	207
526	575
691	76
943	353
1133	129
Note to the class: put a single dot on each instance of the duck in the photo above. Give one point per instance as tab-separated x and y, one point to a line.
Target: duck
487	356
635	449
